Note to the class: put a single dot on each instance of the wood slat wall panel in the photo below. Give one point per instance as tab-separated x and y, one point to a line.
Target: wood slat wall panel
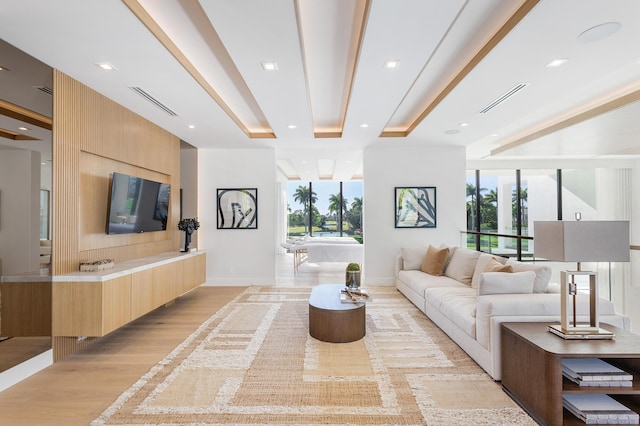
63	346
93	137
90	130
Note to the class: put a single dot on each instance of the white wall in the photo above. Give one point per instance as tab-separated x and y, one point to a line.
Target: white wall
238	256
19	211
385	168
189	188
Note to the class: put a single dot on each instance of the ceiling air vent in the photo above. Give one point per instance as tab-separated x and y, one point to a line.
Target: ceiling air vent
153	100
509	93
45	89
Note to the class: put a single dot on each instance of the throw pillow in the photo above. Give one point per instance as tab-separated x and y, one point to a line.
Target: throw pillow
452	249
494	266
434	260
412	257
506	283
462	264
543	274
481	266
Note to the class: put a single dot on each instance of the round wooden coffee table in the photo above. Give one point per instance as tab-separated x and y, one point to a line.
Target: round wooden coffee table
333	321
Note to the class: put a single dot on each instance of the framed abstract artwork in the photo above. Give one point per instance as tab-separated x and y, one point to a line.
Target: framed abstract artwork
415	207
237	208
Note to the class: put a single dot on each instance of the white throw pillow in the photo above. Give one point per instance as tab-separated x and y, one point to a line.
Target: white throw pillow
506	283
462	264
543	273
412	257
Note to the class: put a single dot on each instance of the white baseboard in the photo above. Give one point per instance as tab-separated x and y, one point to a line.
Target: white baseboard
23	370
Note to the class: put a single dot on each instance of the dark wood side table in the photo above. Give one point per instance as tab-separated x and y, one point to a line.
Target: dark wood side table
532	369
333	321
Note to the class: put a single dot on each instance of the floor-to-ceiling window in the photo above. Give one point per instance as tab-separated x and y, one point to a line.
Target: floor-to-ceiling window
502	206
324	208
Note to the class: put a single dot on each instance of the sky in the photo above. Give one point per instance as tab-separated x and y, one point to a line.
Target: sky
350	190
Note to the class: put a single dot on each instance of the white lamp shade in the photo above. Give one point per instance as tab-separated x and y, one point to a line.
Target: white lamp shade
582	241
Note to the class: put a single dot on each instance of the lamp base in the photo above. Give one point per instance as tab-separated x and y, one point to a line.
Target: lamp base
577	334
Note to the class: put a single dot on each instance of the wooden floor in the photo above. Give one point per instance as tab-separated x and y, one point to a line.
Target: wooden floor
77	389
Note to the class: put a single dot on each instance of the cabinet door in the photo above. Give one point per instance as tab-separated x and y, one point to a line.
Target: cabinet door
190	266
141	293
116	303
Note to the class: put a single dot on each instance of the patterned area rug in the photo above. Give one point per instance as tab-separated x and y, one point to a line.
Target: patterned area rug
254	362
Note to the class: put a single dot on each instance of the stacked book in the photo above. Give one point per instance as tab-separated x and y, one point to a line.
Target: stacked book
595	372
596	408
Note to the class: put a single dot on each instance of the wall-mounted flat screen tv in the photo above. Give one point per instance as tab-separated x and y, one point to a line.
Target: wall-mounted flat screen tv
137	205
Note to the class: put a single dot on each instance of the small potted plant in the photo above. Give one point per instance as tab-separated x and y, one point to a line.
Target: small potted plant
189	226
352	277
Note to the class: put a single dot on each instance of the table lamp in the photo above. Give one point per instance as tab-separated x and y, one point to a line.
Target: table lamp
581	241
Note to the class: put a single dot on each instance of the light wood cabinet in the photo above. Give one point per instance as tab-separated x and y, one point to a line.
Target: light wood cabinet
104	301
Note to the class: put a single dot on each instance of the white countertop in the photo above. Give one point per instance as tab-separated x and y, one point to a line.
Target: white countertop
126	268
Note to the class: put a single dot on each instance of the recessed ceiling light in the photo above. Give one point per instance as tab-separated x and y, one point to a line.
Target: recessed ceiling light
364	125
191	126
269	66
463	124
599	32
106	66
452	132
3	68
292	126
557	62
392	65
24	129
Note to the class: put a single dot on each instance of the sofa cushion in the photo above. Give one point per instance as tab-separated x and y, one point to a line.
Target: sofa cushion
456	303
482	265
412	257
506	283
543	273
433	262
418	281
462	264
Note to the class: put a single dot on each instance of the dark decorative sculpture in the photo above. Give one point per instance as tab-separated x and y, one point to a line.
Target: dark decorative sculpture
189	226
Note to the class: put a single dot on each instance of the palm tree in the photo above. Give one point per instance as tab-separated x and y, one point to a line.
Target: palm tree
334	204
523	205
488	209
354	216
305	197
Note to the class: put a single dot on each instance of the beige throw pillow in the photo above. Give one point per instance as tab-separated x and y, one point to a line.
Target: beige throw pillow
434	260
462	264
412	257
494	266
481	266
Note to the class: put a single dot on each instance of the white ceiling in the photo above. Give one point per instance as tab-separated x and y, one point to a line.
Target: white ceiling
202	60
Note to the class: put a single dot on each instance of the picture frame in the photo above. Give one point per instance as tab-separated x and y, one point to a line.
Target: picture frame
415	207
237	208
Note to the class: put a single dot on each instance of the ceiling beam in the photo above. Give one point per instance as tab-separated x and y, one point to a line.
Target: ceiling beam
590	113
25	115
511	23
147	20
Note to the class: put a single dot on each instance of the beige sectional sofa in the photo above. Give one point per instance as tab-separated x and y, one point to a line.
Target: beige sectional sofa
474	294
